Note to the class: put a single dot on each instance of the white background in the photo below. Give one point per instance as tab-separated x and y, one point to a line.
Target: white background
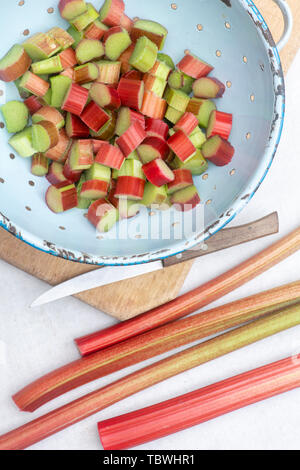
33	342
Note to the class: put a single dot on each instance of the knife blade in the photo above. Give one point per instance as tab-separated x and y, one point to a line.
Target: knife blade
225	238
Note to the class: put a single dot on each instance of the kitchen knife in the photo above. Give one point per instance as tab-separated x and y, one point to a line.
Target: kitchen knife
225	238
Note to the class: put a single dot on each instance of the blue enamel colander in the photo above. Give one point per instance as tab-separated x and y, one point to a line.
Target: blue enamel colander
233	37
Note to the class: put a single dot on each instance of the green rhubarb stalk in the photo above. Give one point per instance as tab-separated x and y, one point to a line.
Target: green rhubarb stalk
81	408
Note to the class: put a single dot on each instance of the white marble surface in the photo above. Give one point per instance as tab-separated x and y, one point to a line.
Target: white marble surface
32	342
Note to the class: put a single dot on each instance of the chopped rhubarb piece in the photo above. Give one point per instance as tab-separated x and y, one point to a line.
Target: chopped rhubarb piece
15	114
95	30
68	58
102	215
76	35
106	132
187	123
86	18
41	46
97	144
116	40
154	84
61	197
180	81
157	128
154	195
181	145
75	128
160	70
152	30
75	99
39	164
86	73
124	59
177	99
126	117
69	9
111	12
131	93
197	137
202	109
183	179
132	167
166	59
59	153
109	72
208	87
94	189
126	22
110	156
59	88
47	113
152	148
68	73
218	150
144	55
130	187
14	64
45	135
186	199
105	96
47	66
22	143
158	172
127	208
194	67
132	138
173	115
33	104
94	116
88	50
71	175
98	172
219	124
133	75
55	174
153	106
197	165
34	84
83	203
62	37
81	156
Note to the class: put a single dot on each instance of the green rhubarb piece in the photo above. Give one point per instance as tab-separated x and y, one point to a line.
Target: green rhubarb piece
132	168
23	93
161	70
154	195
47	66
59	86
83	203
197	164
197	137
40	165
180	81
144	55
15	114
116	44
166	59
98	172
173	115
47	98
41	46
22	143
85	19
108	220
40	138
133	156
9	63
109	72
202	109
152	27
158	87
88	50
86	73
76	35
177	99
62	37
73	9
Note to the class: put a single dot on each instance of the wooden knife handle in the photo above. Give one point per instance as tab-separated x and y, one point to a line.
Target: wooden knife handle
229	237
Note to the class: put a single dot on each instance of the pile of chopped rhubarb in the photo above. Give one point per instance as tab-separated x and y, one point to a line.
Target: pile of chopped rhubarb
108	119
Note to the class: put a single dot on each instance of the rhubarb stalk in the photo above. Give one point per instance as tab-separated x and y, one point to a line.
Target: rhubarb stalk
85	406
150	344
185	411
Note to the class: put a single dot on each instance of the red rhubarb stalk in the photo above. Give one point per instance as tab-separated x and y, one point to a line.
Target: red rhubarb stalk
219	124
187	123
204	404
132	138
81	408
109	155
153	106
76	99
131	93
157	128
150	344
68	58
33	104
94	117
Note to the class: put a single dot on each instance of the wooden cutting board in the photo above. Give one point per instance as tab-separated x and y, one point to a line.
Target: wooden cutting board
128	298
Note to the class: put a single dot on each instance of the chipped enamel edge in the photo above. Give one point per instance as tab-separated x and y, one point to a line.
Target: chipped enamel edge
241	202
